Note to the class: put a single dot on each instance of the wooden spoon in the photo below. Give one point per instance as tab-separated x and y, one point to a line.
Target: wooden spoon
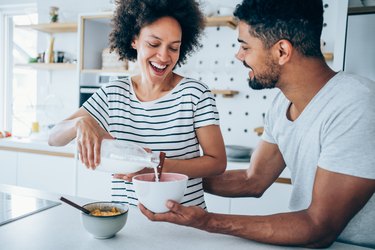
161	164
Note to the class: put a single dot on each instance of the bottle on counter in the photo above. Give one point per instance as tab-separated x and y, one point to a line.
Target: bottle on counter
4	134
35	127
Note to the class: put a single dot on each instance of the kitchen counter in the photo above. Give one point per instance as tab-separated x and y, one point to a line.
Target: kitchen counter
30	145
60	228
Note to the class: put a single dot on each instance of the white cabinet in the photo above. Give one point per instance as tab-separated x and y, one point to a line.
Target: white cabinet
8	167
93	184
274	200
91	44
217	204
46	172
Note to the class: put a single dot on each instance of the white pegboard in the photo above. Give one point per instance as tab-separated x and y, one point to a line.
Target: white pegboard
215	64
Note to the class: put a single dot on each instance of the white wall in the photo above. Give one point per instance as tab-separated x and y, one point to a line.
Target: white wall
58	90
14	2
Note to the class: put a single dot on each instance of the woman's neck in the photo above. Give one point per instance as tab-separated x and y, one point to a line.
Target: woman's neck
148	91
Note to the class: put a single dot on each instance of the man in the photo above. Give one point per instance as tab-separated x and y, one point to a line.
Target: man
321	126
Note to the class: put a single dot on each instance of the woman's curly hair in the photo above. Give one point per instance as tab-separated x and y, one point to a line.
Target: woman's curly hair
132	15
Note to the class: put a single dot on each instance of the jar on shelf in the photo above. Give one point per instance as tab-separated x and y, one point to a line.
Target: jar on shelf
54	14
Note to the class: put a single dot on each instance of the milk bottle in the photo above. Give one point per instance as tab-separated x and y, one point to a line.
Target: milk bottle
121	157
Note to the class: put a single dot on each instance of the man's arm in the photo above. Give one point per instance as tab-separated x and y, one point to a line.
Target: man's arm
266	165
336	199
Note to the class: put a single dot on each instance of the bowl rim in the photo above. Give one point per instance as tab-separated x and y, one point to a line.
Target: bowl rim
185	177
126	208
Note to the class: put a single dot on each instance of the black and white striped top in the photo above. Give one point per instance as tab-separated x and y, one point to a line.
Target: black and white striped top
167	124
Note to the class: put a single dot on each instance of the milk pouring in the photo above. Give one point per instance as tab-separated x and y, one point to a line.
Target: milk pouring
121	157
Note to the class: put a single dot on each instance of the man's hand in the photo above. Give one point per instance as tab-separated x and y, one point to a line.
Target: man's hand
192	216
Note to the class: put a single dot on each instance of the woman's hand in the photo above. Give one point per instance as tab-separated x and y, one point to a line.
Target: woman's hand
128	177
89	139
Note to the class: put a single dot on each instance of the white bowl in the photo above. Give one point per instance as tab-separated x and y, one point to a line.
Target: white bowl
154	195
104	227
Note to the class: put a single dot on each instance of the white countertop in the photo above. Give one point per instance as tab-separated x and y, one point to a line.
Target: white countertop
60	228
35	145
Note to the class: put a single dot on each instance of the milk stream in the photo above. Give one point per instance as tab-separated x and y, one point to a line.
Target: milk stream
156	174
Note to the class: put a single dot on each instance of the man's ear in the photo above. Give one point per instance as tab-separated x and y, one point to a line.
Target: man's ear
283	49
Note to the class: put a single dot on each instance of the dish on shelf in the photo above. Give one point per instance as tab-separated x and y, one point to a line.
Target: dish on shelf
237	151
231	159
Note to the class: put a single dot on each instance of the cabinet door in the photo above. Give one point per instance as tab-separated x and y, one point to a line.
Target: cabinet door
93	184
217	204
274	200
45	172
8	167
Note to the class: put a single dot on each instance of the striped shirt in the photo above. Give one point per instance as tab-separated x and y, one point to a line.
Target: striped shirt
167	124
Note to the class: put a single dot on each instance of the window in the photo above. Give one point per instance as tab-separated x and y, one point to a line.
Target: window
18	84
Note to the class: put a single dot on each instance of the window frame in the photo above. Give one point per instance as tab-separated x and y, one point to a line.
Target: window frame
6	59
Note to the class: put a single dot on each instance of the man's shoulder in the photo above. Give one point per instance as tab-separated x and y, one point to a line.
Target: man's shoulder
353	83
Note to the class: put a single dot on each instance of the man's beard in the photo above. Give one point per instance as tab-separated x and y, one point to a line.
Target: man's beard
267	79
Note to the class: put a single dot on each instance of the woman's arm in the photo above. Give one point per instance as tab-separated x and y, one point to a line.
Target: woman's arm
88	132
213	161
66	130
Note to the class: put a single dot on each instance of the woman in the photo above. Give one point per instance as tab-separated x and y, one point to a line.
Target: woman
157	109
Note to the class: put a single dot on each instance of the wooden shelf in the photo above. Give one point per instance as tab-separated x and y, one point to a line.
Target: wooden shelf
283	180
225	92
51	27
229	21
259	130
49	66
361	10
98	71
328	56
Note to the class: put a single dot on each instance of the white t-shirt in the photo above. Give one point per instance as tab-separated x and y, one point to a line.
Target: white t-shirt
167	124
336	131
